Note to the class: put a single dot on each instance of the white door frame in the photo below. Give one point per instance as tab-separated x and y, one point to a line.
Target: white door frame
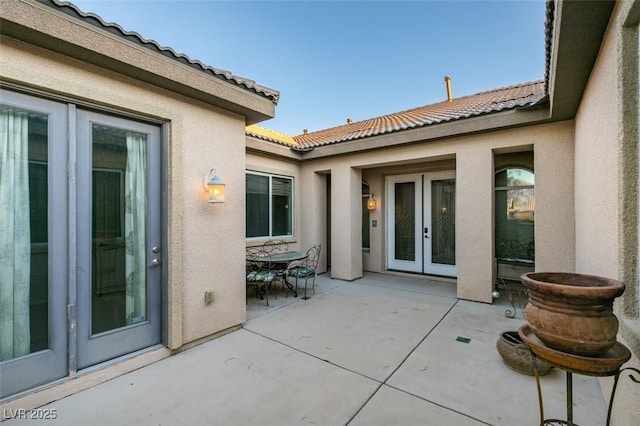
409	265
421	261
428	266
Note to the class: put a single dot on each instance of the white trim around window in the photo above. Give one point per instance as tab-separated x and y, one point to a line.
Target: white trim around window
269	205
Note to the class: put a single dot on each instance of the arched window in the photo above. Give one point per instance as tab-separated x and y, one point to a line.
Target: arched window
515	213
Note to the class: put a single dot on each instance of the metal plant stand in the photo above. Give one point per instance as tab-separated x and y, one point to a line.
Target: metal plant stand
607	364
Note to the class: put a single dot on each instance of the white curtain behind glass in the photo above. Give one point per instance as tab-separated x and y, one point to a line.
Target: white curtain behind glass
15	235
135	227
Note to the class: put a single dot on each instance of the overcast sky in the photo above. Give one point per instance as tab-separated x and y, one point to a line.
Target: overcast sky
331	60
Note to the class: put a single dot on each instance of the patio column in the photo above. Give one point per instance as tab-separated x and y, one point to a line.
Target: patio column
474	222
555	229
346	229
311	214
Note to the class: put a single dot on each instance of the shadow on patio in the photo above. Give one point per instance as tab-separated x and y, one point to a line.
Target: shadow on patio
377	351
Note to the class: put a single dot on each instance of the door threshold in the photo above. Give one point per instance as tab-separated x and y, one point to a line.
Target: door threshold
426	277
84	379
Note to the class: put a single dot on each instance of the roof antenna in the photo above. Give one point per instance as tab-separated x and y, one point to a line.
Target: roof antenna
447	80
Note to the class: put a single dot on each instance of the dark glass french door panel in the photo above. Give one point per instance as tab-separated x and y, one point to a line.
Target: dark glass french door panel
33	246
405	217
119	237
443	222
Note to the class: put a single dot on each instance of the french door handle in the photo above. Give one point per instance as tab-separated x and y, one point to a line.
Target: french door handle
155	262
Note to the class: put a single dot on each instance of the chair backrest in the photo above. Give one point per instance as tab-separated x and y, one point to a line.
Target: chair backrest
276	246
258	259
313	256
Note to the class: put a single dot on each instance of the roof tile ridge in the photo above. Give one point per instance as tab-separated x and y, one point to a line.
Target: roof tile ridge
267	129
356	124
360	124
445	103
265	133
274	95
504	88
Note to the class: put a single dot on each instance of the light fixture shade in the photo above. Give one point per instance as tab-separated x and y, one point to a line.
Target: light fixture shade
371	202
215	187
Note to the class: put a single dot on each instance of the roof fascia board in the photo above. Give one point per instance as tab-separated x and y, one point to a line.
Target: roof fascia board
467	126
578	31
261	147
54	30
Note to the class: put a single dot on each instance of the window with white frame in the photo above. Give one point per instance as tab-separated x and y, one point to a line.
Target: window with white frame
269	205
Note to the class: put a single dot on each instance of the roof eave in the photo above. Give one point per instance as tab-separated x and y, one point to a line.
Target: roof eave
264	148
520	117
578	31
49	28
474	125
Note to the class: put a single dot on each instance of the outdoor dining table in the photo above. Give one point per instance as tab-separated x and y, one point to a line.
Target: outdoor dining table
283	260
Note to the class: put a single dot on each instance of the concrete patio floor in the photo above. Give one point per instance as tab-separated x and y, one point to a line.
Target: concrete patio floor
381	350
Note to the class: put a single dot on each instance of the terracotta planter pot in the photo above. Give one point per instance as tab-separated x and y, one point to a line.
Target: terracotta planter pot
517	356
572	312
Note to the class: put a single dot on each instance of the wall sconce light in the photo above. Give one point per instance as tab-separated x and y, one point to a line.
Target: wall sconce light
214	186
371	202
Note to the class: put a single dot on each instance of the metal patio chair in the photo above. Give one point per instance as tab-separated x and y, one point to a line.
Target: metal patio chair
278	247
260	274
306	269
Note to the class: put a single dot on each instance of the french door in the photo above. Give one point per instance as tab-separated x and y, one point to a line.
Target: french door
119	237
33	242
80	281
421	223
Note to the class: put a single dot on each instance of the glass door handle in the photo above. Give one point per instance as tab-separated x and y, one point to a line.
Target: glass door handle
155	262
426	232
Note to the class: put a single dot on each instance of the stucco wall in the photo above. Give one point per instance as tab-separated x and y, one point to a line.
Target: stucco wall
204	253
473	158
555	212
606	186
596	152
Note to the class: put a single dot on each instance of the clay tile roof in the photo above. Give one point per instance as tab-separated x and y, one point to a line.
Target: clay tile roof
116	29
487	102
269	135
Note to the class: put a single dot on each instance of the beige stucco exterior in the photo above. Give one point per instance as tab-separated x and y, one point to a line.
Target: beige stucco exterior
586	190
586	171
198	136
606	150
597	168
472	159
